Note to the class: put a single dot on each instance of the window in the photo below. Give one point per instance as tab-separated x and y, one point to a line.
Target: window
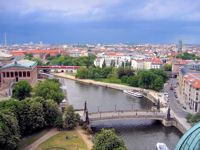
28	74
4	74
195	106
16	74
24	74
8	74
12	74
20	74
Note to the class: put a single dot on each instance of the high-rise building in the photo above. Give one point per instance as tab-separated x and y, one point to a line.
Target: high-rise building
180	46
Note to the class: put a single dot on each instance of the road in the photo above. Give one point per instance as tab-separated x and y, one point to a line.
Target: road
175	105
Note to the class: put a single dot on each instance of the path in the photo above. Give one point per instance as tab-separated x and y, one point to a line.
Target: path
86	138
49	134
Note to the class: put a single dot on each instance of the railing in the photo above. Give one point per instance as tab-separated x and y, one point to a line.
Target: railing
127	114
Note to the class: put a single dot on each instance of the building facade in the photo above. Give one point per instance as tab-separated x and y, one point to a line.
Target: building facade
189	84
18	70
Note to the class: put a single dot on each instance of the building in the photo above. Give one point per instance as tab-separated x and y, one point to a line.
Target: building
18	70
156	63
180	46
137	64
189	84
5	58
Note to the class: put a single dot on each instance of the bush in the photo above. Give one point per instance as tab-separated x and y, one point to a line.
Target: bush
85	126
189	117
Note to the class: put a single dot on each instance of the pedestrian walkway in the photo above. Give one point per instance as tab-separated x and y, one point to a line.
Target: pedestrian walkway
49	134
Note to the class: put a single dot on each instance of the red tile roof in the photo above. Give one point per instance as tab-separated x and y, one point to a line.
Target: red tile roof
195	82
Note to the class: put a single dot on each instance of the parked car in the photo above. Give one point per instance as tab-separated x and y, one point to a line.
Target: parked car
171	88
184	107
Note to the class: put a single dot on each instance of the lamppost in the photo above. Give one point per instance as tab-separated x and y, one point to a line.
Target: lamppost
98	107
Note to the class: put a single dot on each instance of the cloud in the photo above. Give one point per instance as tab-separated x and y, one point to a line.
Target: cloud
97	10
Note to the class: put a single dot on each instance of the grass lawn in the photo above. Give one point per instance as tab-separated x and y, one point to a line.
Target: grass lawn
29	139
74	141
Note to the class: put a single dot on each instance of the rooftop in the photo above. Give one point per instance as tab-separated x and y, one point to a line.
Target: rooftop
22	63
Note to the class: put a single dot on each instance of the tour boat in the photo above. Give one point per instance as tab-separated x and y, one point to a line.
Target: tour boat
132	93
162	146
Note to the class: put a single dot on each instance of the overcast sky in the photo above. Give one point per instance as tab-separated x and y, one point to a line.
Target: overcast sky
100	21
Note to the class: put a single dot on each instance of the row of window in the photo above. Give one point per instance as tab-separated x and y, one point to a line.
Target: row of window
16	74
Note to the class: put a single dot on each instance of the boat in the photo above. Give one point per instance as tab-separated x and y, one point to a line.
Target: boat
132	93
162	146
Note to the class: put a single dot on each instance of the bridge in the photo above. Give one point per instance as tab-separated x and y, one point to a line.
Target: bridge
126	114
67	69
89	117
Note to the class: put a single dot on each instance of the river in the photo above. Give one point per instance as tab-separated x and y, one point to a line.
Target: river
137	134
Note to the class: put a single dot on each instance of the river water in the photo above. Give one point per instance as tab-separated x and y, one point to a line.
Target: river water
137	134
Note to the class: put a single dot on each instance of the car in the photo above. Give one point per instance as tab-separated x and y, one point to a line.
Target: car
184	107
171	88
166	96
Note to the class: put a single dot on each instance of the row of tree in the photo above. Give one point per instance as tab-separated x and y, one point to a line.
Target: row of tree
71	61
49	89
28	113
18	118
148	79
187	56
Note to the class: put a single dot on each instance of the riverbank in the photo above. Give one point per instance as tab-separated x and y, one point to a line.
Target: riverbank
154	94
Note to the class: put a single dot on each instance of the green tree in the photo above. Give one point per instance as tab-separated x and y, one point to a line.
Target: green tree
167	67
9	131
120	72
161	73
70	118
124	79
82	73
49	89
59	121
146	78
106	71
104	64
133	81
157	84
21	90
107	140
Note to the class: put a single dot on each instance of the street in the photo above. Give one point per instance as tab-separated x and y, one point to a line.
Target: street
174	104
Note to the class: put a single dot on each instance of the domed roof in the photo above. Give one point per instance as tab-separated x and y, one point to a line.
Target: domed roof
190	140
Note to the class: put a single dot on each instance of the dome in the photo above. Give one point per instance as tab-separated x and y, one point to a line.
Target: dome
190	140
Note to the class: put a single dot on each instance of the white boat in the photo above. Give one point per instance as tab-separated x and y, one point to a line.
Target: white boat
132	93
162	146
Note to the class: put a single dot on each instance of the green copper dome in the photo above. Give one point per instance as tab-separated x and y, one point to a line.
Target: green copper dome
190	140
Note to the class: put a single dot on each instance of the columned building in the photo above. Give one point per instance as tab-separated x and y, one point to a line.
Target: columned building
18	70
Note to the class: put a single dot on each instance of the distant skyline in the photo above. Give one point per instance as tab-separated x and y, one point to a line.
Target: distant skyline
100	21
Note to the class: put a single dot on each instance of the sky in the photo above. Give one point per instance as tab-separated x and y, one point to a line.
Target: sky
100	21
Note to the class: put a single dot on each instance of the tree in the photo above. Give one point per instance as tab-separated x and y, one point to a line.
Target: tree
70	118
82	73
167	67
21	90
51	112
124	79
106	71
49	89
120	72
146	78
104	64
133	81
161	73
59	121
157	84
9	130
107	140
